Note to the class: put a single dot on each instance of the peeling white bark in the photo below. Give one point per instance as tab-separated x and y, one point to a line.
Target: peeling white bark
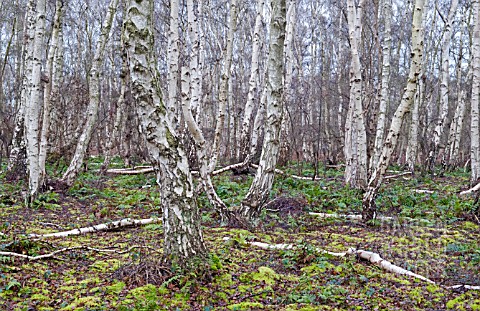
181	220
475	100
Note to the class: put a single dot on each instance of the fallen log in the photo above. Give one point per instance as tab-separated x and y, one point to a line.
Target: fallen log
372	257
101	227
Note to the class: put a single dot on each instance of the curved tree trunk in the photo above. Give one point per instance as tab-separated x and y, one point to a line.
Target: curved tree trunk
94	98
181	221
369	206
263	181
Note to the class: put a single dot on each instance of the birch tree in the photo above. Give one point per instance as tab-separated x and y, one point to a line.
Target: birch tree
355	134
181	222
33	105
368	203
18	151
51	90
94	98
253	82
384	94
263	180
444	85
475	100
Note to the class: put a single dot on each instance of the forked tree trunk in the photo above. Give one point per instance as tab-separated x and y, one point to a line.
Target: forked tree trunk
263	181
355	134
369	206
94	98
475	101
181	220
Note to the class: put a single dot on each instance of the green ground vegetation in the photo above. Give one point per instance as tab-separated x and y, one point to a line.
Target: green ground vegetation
433	234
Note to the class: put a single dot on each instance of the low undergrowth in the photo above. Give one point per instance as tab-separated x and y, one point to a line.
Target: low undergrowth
432	234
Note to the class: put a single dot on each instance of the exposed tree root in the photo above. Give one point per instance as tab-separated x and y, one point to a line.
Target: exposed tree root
101	227
372	257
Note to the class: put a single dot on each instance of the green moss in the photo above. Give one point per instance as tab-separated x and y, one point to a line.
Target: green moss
39	297
106	265
245	306
83	303
266	274
116	288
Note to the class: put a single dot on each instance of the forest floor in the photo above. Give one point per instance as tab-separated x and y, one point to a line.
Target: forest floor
441	243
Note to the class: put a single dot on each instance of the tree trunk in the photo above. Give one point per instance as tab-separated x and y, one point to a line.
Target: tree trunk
355	133
223	92
474	128
369	206
51	91
253	83
384	94
181	219
445	78
94	98
263	181
32	107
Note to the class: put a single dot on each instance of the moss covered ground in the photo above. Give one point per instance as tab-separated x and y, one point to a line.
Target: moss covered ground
433	234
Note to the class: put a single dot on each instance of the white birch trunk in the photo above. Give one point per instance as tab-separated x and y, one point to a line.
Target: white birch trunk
51	90
475	101
18	152
263	181
456	126
253	83
181	224
411	153
444	91
355	133
33	105
223	92
384	94
369	207
173	58
94	98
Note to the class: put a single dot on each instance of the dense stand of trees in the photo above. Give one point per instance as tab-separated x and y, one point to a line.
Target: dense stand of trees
189	85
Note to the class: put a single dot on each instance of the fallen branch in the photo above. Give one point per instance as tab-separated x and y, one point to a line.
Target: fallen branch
471	190
289	175
65	249
372	257
398	175
128	171
101	227
359	217
423	191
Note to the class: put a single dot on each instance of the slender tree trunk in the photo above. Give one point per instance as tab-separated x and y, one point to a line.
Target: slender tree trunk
369	206
355	133
384	94
456	127
252	83
33	105
225	79
119	115
412	145
17	157
51	90
181	221
474	127
263	181
444	91
94	98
